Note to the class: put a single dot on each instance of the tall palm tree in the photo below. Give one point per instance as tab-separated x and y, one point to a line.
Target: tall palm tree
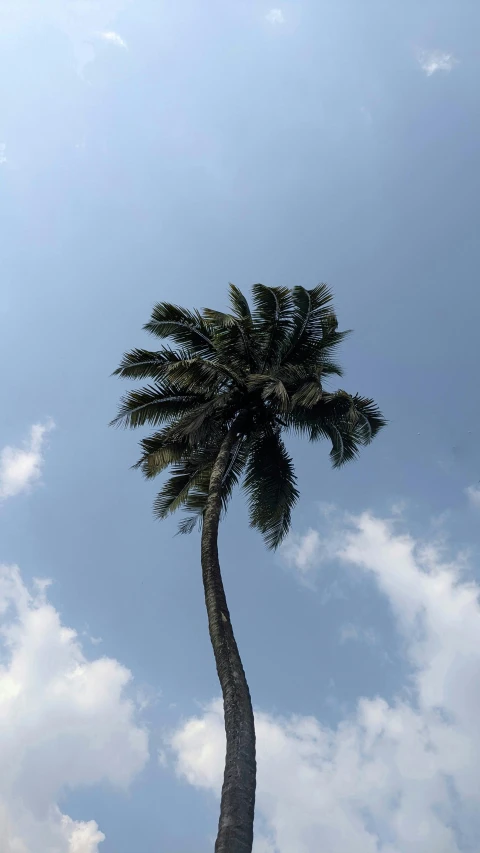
221	401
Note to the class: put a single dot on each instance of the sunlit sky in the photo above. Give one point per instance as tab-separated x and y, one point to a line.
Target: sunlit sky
153	151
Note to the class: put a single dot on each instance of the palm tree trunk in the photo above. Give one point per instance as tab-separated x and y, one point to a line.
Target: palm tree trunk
235	828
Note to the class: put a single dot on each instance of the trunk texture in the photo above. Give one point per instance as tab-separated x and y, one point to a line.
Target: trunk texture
235	828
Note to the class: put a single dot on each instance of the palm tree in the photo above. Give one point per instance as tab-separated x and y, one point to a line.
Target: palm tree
220	402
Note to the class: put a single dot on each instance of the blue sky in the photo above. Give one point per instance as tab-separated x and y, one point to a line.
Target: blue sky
154	151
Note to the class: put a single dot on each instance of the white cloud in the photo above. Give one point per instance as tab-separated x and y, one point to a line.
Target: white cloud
306	552
113	38
275	16
302	550
473	494
432	61
394	776
3	155
65	722
20	467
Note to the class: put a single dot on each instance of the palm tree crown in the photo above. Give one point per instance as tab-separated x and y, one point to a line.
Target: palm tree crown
259	373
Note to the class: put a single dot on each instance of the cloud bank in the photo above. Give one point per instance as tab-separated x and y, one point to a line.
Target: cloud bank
393	776
65	722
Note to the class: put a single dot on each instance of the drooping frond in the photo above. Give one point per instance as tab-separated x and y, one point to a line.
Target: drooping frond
187	328
188	485
272	390
197	496
159	451
308	394
186	475
270	487
349	422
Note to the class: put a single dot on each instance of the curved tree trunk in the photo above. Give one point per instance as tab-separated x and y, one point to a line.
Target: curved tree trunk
235	828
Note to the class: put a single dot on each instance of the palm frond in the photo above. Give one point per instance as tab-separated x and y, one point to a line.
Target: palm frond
159	451
273	321
188	524
270	487
199	374
196	500
308	394
186	328
274	391
219	319
369	417
207	418
240	306
185	477
349	422
154	404
143	364
315	332
233	335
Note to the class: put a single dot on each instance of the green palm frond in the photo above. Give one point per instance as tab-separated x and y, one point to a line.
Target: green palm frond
198	495
144	364
270	486
273	321
315	326
187	328
308	394
218	319
199	423
240	306
186	475
274	392
233	335
159	451
154	404
207	376
349	422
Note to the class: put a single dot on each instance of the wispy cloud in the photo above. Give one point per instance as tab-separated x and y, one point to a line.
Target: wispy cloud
3	155
473	494
114	38
302	551
432	61
394	775
353	633
275	16
21	467
80	20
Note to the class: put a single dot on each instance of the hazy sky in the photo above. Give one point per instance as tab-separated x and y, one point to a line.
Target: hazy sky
153	151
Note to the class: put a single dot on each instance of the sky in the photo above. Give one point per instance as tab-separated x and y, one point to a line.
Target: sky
153	151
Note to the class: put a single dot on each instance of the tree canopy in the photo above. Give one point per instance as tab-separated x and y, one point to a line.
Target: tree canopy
258	371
